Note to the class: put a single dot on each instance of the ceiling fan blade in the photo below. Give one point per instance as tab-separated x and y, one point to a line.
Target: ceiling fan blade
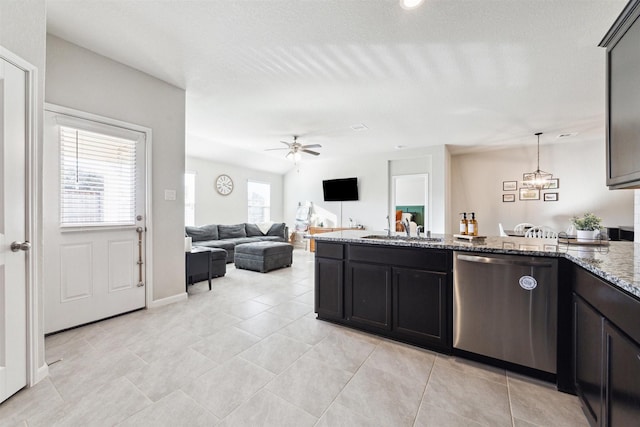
312	146
315	153
288	144
275	149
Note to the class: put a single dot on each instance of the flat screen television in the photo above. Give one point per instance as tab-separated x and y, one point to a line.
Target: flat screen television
340	190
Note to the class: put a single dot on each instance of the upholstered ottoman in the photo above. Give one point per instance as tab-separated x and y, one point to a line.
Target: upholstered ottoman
218	262
263	256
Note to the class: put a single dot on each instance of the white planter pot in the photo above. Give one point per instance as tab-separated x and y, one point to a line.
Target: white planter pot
587	235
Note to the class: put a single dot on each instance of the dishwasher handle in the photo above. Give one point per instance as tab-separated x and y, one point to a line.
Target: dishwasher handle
503	261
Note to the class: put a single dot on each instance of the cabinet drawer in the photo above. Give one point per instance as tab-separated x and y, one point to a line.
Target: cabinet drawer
425	259
330	250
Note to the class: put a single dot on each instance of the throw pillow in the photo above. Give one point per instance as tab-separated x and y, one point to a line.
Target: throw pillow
206	232
277	229
253	230
231	231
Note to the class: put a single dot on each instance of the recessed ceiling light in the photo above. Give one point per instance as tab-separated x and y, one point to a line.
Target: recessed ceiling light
410	4
359	127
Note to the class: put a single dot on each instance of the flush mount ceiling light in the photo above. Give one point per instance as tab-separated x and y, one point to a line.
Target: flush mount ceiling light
410	4
538	179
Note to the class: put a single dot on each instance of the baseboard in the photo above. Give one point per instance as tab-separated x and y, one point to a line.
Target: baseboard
169	300
41	373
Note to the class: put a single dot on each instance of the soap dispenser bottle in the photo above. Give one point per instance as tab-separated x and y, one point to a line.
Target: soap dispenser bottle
463	223
473	225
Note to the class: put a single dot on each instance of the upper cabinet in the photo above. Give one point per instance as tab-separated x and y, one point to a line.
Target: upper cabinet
623	99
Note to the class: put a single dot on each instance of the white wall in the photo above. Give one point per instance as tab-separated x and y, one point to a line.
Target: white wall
374	185
80	79
23	32
580	166
213	208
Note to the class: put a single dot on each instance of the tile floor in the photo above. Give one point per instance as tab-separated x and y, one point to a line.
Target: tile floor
251	352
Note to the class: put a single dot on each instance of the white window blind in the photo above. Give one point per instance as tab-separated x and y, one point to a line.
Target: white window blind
259	201
97	179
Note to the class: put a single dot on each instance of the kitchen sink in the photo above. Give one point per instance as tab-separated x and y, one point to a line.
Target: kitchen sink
404	238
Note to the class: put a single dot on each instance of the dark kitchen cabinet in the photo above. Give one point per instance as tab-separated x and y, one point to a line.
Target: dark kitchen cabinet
606	334
403	293
420	301
623	99
588	335
368	295
329	279
622	379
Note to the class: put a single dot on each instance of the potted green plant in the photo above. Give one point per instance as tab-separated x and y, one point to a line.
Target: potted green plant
587	227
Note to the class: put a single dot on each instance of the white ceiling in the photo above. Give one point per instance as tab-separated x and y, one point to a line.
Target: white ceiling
465	73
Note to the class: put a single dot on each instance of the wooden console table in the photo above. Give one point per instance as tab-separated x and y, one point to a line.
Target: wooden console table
318	230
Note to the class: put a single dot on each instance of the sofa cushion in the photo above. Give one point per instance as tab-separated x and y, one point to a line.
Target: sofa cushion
224	244
231	231
252	230
205	232
277	229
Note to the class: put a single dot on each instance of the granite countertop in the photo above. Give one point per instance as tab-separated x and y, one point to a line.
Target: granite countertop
617	262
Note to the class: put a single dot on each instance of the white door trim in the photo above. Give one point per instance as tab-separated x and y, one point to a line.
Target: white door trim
58	109
35	315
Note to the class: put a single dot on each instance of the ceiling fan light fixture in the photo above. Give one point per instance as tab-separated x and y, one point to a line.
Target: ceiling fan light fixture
410	4
296	156
538	179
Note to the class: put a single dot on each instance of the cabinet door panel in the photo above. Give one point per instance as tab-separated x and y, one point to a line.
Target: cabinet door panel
588	350
369	295
329	288
419	305
622	391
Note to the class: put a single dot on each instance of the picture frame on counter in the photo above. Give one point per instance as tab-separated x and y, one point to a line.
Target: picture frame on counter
509	185
550	197
529	194
506	198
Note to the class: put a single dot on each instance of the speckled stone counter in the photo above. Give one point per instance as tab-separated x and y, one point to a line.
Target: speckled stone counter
617	262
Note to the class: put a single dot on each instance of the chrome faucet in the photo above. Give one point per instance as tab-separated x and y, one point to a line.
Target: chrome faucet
418	228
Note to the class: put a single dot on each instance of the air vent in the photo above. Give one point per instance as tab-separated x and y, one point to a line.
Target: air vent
566	135
359	127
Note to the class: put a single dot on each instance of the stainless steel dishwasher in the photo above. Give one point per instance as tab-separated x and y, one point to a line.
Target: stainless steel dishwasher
505	307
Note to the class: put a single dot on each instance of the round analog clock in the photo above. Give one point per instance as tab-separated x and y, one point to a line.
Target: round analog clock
224	185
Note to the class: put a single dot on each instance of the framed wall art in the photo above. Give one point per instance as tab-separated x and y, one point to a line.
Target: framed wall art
508	197
529	194
550	197
509	185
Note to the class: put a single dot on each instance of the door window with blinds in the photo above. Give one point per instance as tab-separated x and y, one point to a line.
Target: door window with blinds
97	178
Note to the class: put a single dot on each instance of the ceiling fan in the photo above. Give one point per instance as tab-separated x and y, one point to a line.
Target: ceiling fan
295	148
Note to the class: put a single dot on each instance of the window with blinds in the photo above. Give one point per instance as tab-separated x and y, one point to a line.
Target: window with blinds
97	179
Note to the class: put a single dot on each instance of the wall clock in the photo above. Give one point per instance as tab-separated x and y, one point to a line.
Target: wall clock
224	184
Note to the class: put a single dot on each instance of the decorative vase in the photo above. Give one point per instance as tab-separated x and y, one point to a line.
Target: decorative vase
587	235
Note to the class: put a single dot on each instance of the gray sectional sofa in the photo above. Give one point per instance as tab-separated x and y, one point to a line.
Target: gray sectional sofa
228	236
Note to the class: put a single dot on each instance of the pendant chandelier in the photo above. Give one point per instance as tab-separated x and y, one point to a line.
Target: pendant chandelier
538	179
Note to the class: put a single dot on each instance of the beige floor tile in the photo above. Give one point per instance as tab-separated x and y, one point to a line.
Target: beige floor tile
402	360
106	406
247	309
310	331
264	324
310	384
377	394
340	416
275	353
306	298
223	389
521	423
159	346
432	416
42	398
273	298
165	375
482	400
176	409
291	309
471	367
225	344
539	403
343	350
266	409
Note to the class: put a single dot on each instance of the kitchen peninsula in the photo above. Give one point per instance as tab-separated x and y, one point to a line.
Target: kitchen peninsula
403	289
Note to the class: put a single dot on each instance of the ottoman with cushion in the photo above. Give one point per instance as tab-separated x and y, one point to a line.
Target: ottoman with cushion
263	256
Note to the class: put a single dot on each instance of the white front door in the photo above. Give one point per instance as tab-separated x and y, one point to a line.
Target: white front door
13	263
94	220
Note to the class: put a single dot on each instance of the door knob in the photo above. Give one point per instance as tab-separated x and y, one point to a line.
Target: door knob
20	246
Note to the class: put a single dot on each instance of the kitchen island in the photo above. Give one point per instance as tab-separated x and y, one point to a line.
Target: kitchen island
403	289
